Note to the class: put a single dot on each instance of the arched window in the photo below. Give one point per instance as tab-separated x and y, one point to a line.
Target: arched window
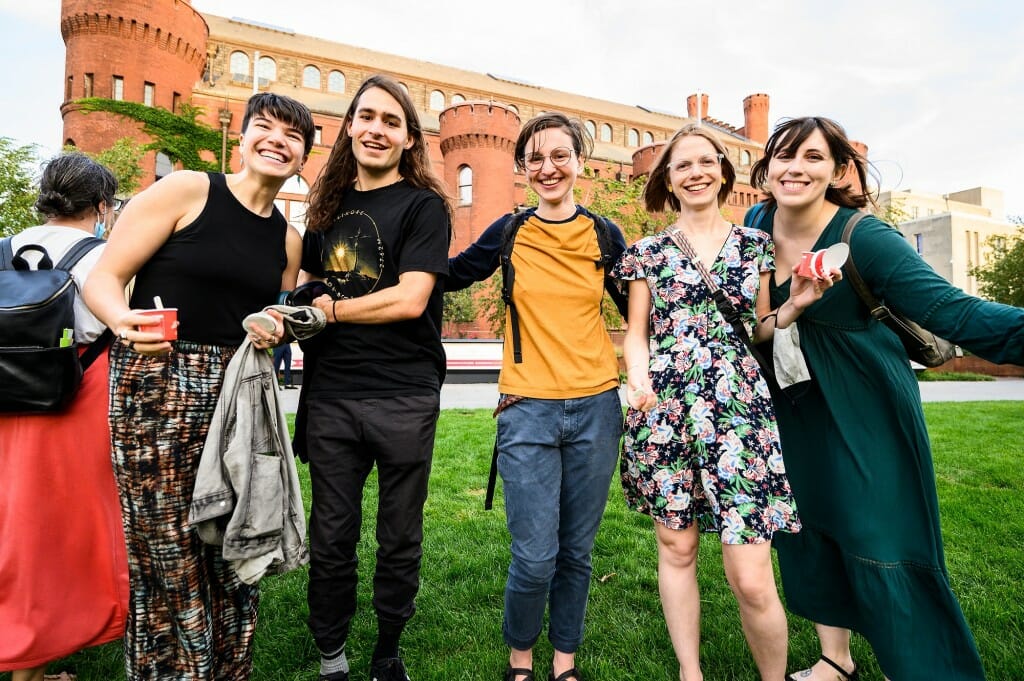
267	70
606	132
648	137
436	100
311	77
744	158
164	167
239	66
634	138
291	201
465	185
335	81
591	128
458	99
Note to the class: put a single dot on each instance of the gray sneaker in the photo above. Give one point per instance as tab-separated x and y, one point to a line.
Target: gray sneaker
388	669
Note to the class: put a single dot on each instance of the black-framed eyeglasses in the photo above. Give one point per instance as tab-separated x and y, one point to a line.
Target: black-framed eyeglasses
559	157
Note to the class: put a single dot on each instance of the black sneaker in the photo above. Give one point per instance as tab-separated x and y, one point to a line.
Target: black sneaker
388	669
336	676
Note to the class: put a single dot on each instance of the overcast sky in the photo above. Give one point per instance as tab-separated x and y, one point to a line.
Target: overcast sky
935	89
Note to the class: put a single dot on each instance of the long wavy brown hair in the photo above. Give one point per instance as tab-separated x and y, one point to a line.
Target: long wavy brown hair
340	172
787	138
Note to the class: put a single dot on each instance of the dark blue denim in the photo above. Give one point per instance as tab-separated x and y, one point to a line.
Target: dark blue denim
556	459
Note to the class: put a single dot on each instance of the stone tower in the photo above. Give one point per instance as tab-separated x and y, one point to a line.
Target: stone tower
145	51
477	141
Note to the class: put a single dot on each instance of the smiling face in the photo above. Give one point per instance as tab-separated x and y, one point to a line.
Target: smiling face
695	173
552	183
800	178
272	147
379	134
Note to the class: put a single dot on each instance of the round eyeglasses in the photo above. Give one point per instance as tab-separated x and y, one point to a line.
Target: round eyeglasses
559	157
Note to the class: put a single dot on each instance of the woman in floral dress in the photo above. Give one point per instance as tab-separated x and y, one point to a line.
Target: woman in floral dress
701	451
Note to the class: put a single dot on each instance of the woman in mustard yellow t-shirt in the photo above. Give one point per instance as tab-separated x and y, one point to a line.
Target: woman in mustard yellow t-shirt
560	416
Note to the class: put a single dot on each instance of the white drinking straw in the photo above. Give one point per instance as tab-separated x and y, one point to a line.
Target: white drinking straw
159	303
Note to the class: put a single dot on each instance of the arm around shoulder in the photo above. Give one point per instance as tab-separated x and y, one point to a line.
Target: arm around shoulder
479	260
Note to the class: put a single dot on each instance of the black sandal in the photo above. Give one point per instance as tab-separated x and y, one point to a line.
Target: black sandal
566	675
847	676
524	674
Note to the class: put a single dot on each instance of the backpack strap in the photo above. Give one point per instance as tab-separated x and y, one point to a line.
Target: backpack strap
76	252
756	214
875	307
70	259
95	348
6	254
508	277
603	228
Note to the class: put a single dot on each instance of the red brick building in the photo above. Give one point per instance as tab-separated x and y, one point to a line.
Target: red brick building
165	53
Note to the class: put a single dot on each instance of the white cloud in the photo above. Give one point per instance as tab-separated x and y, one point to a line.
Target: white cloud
934	89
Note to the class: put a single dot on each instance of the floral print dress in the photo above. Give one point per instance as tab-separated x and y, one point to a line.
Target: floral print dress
709	450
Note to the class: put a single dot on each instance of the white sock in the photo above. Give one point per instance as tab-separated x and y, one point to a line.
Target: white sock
332	663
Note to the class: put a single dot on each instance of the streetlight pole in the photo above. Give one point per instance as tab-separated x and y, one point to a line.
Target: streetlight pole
225	121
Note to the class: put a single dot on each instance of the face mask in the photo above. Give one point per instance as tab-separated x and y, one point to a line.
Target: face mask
99	229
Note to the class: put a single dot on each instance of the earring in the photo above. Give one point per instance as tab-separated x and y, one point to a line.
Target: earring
723	180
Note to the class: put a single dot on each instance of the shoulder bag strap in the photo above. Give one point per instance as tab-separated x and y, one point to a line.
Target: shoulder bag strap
875	307
724	305
77	252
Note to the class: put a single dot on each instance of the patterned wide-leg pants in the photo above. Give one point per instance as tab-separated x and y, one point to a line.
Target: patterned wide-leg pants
190	618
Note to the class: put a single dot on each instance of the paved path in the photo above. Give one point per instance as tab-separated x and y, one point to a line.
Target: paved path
485	395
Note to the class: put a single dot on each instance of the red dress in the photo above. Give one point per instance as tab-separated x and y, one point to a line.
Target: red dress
63	569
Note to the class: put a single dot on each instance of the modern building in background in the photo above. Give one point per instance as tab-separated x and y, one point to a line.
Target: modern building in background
952	232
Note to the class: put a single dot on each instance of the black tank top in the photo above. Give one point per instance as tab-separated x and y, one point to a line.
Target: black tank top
218	269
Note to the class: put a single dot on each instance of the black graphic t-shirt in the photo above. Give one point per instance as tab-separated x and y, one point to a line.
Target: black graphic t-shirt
377	236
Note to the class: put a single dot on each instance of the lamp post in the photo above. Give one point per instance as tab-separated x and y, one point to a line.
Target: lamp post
225	121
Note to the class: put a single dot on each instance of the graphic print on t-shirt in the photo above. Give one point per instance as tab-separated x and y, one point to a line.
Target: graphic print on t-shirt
353	255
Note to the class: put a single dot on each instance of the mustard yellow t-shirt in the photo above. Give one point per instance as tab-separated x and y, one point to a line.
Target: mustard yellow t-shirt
557	292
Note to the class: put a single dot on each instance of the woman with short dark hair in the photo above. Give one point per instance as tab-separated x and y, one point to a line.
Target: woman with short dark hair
215	247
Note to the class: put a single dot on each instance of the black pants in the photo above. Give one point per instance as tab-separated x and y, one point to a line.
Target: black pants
346	438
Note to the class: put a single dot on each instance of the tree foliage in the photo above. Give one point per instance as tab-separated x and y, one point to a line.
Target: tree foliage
182	137
18	187
123	160
1002	278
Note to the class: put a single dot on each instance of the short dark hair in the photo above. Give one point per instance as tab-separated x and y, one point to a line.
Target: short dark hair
71	183
656	194
582	142
292	112
787	138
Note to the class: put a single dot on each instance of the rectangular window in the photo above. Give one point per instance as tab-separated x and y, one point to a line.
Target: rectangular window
67	92
148	93
919	243
175	102
87	85
118	90
318	134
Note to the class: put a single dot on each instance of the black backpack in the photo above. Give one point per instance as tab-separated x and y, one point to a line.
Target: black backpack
602	227
40	369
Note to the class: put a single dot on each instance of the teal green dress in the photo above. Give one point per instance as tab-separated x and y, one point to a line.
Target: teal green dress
857	454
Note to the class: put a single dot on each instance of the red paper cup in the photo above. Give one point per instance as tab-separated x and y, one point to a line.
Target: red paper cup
168	326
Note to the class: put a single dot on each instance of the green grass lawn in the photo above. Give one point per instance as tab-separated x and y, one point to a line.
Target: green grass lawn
456	632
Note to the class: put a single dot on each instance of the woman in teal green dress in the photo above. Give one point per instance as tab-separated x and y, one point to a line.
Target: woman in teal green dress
870	557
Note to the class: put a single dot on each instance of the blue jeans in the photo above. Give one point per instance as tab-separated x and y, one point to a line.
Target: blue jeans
556	459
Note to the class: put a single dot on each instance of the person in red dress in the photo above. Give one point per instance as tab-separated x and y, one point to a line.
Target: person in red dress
63	569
